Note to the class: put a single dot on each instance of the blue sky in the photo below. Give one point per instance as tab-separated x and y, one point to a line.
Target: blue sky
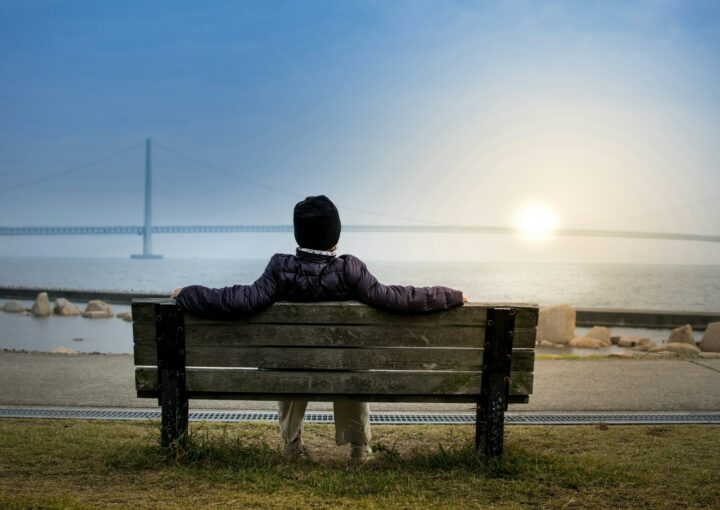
451	112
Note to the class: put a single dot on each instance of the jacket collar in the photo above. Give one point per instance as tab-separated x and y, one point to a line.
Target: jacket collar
314	255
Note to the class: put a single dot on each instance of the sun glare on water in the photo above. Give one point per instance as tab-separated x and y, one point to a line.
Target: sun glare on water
536	221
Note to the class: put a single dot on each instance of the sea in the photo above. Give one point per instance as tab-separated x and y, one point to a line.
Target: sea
654	287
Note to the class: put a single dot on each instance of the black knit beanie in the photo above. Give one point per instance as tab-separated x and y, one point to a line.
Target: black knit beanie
317	223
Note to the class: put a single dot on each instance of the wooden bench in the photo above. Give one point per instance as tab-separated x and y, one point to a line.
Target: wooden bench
476	353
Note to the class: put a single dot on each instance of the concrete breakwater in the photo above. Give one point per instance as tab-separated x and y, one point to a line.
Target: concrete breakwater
586	317
651	319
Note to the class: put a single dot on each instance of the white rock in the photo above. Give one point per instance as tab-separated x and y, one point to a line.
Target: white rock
585	342
644	344
628	341
677	347
64	350
13	307
65	308
41	306
126	316
711	338
96	314
621	355
602	334
556	324
97	309
682	335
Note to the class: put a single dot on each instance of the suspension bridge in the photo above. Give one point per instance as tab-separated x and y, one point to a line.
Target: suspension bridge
148	229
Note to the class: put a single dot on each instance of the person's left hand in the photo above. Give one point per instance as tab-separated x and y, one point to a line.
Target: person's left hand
176	293
465	299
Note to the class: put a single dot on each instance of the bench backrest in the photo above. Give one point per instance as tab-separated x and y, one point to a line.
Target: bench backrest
319	351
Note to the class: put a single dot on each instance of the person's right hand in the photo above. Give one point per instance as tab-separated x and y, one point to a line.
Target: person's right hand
465	299
176	293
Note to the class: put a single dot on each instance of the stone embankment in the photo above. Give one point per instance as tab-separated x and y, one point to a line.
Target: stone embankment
95	308
556	328
585	317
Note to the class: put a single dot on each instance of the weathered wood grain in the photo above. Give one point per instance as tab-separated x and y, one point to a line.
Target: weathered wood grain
438	399
243	334
271	382
335	358
352	312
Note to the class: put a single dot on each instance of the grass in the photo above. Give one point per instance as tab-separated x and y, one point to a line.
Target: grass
89	464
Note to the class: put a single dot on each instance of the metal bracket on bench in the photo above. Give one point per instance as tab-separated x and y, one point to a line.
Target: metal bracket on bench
495	390
172	391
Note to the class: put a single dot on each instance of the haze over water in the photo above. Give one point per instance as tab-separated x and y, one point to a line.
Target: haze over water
657	287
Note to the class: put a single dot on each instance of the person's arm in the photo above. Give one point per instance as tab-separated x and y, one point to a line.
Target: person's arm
229	302
399	298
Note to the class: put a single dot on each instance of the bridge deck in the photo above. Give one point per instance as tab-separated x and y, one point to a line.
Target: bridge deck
439	229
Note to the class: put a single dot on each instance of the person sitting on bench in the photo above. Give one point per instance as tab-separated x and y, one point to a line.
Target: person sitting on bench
316	273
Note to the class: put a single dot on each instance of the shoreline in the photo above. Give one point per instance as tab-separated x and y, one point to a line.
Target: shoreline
586	317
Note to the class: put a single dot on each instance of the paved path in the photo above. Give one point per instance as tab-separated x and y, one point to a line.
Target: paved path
46	379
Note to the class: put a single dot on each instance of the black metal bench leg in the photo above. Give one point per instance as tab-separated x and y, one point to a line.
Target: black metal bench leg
490	419
497	356
171	374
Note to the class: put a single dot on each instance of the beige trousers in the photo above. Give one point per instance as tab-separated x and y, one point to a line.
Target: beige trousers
352	420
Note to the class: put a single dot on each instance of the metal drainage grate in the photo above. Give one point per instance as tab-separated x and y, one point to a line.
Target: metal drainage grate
609	418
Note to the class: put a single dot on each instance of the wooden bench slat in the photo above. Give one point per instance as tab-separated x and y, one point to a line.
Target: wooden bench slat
352	312
335	358
315	397
332	383
248	334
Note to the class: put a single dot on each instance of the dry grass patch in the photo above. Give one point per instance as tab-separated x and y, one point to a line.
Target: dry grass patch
90	464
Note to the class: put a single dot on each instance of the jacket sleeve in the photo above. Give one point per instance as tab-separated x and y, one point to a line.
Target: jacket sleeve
401	299
230	302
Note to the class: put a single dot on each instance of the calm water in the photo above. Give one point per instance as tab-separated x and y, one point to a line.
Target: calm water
621	286
613	286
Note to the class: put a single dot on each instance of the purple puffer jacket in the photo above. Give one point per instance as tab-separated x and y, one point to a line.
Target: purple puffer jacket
311	277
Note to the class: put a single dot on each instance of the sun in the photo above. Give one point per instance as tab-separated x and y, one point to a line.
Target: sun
536	221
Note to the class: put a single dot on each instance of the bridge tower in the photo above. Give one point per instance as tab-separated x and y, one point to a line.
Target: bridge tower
147	228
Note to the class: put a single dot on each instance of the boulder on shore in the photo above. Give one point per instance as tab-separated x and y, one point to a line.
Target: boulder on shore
66	308
586	342
681	335
711	338
13	307
602	334
556	324
628	341
126	316
677	347
97	309
545	343
64	350
622	355
41	306
644	344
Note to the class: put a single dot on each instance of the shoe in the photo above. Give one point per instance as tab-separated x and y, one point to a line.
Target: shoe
296	451
360	453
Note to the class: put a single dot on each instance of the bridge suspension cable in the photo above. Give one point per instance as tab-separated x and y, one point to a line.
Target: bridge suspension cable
69	170
648	214
285	191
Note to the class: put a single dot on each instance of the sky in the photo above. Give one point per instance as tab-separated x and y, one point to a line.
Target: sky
608	113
